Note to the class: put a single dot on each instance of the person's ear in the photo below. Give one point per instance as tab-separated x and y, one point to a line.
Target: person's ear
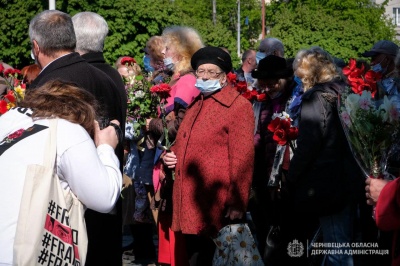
36	48
223	79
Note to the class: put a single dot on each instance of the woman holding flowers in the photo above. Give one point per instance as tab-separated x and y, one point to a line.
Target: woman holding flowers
138	170
213	157
180	44
324	179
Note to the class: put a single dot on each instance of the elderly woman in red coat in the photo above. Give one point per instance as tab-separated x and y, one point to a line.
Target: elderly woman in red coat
213	157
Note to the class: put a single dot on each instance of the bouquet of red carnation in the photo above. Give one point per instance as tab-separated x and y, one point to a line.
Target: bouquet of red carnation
242	87
15	91
284	132
361	80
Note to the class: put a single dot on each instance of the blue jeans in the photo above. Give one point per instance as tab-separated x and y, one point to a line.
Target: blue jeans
338	228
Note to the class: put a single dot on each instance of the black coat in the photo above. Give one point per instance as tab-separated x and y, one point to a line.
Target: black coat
323	175
73	68
97	60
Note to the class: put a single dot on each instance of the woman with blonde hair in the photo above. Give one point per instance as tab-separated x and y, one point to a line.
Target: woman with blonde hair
323	176
154	47
180	44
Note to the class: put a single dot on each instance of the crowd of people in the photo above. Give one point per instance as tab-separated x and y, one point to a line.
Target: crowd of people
208	158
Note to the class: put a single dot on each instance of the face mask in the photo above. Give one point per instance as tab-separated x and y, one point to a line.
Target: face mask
260	56
378	68
169	64
146	62
208	86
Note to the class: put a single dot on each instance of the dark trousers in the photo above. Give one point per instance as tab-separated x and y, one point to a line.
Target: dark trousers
105	237
200	250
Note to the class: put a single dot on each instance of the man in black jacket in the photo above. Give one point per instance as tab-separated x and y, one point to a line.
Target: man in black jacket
53	43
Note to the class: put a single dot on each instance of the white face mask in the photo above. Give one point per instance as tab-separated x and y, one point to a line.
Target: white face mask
169	63
208	86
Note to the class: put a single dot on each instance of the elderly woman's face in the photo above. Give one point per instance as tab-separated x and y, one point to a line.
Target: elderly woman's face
209	71
270	86
169	51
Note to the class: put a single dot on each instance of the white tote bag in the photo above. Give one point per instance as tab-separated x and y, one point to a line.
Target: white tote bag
51	228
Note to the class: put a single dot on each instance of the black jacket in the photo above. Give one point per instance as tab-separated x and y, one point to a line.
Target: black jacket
97	60
323	175
73	68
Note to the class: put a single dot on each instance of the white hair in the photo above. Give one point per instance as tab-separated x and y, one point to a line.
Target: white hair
272	45
91	30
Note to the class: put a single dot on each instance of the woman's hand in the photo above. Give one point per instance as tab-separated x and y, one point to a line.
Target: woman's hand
170	159
107	135
373	189
234	214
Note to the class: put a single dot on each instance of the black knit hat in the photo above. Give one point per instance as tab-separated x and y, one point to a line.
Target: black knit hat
212	55
272	67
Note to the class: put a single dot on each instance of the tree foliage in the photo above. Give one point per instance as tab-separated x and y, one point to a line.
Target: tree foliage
343	27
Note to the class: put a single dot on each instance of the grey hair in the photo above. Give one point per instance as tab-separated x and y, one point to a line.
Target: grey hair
246	54
271	45
91	30
53	31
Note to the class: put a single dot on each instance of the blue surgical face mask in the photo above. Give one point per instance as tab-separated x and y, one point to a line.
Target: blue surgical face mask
208	86
169	63
146	63
378	68
260	56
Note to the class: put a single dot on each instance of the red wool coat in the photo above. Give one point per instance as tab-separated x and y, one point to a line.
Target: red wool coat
387	215
215	155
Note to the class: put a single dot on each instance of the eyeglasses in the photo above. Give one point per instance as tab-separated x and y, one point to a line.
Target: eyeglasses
211	73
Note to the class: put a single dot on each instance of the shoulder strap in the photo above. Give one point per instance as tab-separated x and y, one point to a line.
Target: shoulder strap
19	135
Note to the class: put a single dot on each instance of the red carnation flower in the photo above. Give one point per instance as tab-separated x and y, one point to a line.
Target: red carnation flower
241	86
127	60
3	107
280	137
261	97
162	90
274	125
231	77
1	68
10	97
11	72
293	133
